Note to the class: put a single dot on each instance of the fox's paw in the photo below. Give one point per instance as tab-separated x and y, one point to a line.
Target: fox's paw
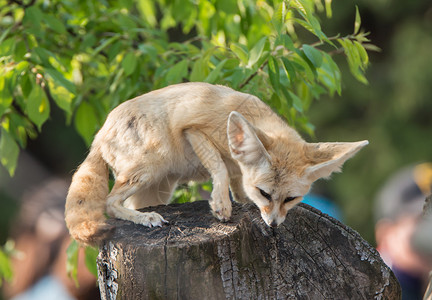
150	219
221	210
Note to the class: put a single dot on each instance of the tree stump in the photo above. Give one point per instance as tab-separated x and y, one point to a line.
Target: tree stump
309	256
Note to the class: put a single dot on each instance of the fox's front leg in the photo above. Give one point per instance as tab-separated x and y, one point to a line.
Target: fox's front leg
237	191
211	159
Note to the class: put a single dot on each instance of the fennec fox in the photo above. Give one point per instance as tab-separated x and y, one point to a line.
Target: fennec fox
195	131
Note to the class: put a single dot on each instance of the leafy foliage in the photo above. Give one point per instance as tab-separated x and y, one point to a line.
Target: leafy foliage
86	57
72	254
6	252
5	267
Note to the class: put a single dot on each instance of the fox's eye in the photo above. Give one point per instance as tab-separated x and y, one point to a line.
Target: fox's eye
289	199
264	194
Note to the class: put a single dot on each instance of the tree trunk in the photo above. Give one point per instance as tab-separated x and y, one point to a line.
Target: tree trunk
309	256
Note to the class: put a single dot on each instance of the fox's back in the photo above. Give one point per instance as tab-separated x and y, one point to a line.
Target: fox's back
155	122
173	109
197	104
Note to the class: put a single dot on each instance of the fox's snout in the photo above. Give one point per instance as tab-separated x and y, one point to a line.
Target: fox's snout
274	224
273	220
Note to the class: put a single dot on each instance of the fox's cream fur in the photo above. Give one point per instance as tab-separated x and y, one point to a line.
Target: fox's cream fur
195	131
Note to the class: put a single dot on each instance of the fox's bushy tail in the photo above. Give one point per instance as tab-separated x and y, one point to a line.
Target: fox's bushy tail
86	200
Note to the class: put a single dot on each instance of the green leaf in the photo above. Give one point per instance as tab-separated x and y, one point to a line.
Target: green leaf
354	59
328	8
7	47
357	22
91	254
314	28
105	44
22	128
275	101
363	55
289	68
60	79
372	47
9	151
20	50
21	66
313	54
62	97
336	75
273	71
329	75
286	41
227	6
278	18
256	52
284	79
54	24
302	7
308	128
231	64
240	52
148	50
190	22
182	9
33	15
88	41
38	107
126	22
5	95
214	74
236	78
206	11
5	267
114	50
72	261
86	122
199	70
25	84
147	10
303	66
297	103
44	56
5	34
177	72
129	63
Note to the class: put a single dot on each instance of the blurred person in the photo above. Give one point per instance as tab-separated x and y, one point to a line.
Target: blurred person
40	237
422	239
398	210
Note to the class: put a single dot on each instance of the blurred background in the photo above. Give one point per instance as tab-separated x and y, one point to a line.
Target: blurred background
393	112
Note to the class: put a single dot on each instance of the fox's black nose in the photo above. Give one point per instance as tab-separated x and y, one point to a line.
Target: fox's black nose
273	224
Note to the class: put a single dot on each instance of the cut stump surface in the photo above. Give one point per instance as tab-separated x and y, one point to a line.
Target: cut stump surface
309	256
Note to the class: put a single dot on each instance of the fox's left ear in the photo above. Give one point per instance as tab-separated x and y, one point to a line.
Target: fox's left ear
326	158
245	141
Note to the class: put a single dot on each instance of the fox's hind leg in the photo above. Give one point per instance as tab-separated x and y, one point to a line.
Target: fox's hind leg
211	159
122	190
156	194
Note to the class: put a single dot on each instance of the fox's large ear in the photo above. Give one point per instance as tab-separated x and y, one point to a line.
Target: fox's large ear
244	144
326	158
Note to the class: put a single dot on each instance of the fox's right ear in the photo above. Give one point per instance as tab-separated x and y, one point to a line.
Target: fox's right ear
244	144
327	158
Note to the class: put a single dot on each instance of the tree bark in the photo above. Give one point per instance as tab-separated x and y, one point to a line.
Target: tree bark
309	256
